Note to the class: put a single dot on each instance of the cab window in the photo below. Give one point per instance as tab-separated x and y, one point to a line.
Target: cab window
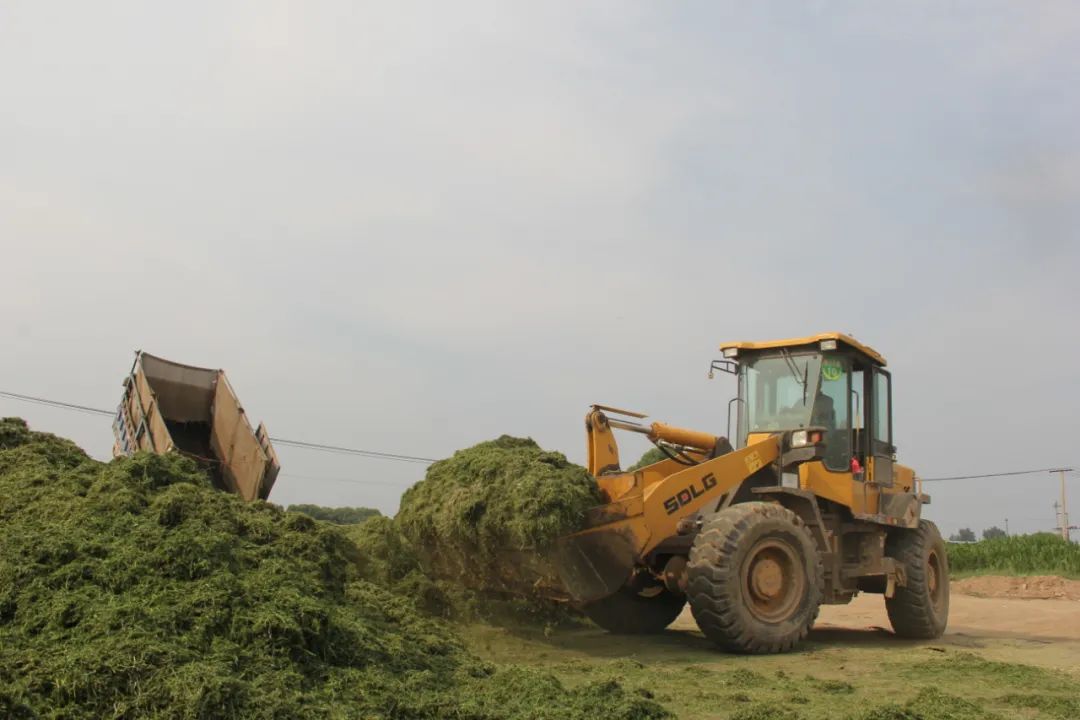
882	423
831	411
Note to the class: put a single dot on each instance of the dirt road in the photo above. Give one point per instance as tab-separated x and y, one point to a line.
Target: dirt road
1037	632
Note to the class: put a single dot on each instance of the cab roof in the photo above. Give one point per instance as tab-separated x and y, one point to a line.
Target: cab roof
851	342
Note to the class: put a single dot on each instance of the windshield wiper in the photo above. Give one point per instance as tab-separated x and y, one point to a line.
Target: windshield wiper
805	383
794	368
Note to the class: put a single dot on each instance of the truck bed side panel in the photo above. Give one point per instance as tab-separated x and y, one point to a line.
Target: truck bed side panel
243	462
274	466
157	439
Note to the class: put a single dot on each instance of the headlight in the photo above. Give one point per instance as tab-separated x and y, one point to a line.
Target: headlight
803	438
731	352
828	344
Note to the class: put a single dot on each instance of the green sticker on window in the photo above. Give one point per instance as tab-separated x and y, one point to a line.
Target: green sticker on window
832	370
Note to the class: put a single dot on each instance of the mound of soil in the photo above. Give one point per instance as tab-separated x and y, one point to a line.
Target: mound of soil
1030	587
133	589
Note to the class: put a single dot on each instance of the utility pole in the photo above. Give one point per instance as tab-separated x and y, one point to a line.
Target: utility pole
1063	523
1006	527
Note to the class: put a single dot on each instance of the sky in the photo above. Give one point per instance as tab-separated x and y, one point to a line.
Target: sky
410	227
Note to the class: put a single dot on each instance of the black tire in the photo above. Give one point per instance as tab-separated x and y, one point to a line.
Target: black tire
634	612
920	609
755	578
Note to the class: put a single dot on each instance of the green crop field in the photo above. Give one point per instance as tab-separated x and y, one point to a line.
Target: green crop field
1038	554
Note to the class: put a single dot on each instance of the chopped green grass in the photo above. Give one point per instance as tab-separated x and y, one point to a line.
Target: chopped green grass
133	589
743	678
836	687
505	494
766	711
934	704
1055	706
886	680
649	457
483	520
972	669
336	515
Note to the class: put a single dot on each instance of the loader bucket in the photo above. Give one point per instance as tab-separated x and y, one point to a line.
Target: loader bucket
597	562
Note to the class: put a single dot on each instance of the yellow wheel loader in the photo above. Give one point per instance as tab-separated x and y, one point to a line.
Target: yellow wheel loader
808	506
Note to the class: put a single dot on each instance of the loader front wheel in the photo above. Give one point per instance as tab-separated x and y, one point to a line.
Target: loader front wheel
755	578
919	609
636	612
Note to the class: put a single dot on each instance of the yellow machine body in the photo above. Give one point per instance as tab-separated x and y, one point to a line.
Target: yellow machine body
652	513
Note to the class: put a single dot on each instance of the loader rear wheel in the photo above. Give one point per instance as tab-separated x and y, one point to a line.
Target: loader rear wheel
755	578
919	609
636	612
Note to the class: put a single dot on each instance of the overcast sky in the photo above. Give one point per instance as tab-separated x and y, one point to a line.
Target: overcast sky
411	227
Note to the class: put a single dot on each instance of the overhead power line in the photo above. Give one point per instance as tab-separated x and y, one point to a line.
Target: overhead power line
57	403
353	451
359	452
991	475
398	457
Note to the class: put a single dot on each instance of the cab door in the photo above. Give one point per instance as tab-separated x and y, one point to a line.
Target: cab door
881	438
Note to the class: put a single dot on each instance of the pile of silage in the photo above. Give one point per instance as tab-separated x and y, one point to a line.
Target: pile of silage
488	515
336	515
649	457
388	559
133	589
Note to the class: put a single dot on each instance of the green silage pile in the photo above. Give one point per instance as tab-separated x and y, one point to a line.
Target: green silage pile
502	494
649	457
487	515
336	515
132	589
387	559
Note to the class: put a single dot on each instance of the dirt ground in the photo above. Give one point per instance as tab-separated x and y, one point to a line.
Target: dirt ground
1001	657
1043	632
1032	587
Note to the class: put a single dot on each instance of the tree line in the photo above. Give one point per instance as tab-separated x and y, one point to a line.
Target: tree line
968	535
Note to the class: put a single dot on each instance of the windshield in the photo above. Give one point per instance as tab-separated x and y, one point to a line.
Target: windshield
780	390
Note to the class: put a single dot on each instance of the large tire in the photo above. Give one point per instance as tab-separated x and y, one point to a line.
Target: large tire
919	609
755	578
634	612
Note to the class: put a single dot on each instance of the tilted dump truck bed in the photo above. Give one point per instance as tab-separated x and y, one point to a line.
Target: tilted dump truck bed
170	407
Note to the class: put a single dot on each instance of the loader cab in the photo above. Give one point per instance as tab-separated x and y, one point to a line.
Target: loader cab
830	386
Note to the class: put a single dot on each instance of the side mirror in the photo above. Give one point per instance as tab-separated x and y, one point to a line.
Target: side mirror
729	366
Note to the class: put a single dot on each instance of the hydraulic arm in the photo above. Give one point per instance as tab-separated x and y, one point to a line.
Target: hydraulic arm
604	450
646	508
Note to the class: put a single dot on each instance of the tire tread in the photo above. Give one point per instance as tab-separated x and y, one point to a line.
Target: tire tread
910	609
715	598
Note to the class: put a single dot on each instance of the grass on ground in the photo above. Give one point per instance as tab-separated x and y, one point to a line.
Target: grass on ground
864	677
